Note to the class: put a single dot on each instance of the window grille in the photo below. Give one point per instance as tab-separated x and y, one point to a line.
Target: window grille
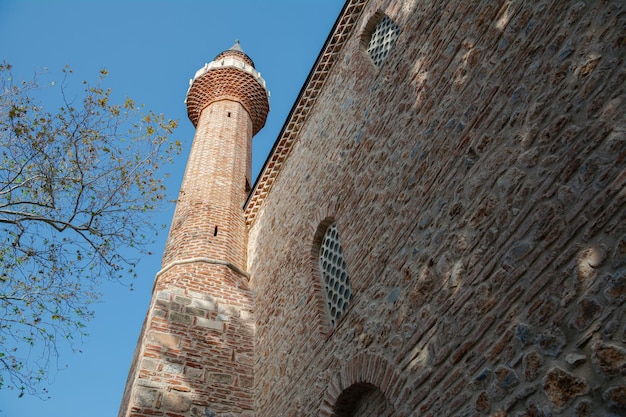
382	39
334	275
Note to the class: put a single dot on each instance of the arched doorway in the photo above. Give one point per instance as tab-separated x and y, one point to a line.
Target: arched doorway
362	400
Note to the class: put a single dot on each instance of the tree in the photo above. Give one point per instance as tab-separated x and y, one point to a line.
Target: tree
77	188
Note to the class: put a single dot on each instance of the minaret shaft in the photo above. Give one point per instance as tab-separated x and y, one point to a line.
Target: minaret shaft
195	353
209	220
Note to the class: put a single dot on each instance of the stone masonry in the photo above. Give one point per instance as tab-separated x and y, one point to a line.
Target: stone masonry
477	178
475	171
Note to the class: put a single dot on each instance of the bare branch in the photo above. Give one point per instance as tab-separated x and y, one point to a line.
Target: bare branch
76	190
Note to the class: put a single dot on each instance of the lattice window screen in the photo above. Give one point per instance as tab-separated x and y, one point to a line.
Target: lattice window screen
383	37
334	275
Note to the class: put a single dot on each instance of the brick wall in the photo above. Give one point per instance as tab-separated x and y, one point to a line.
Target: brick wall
478	181
195	352
208	220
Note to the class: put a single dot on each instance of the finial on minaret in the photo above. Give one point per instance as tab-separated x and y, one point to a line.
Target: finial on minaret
236	46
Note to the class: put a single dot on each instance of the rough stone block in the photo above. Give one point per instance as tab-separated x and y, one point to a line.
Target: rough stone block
175	401
164	339
483	404
551	342
182	300
616	397
193	372
587	311
209	324
562	387
163	295
531	365
505	380
146	397
180	318
172	368
220	378
245	315
203	304
149	364
194	311
609	359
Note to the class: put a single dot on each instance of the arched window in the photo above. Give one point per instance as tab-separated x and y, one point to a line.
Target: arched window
334	274
380	34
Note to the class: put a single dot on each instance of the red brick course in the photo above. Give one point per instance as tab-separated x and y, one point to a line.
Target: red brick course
228	84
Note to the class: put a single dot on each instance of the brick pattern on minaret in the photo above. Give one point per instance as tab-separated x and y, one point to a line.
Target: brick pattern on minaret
195	353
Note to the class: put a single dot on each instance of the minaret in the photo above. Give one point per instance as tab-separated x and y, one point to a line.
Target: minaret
195	352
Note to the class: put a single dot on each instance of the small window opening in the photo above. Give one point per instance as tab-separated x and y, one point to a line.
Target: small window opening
228	114
381	39
215	231
334	275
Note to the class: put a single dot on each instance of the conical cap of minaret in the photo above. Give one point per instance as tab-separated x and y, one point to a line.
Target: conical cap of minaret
230	76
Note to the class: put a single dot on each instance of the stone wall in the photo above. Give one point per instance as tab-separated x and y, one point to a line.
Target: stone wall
478	182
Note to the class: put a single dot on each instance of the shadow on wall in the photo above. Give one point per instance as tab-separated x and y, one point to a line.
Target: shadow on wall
500	265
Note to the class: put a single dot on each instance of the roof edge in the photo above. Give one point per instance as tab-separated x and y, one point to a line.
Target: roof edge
307	97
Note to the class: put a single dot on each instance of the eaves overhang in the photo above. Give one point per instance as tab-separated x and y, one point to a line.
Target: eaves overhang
302	107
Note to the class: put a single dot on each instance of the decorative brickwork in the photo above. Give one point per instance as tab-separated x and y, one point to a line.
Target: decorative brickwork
231	76
304	104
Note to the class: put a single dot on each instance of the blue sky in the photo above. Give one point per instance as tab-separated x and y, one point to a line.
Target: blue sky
151	50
